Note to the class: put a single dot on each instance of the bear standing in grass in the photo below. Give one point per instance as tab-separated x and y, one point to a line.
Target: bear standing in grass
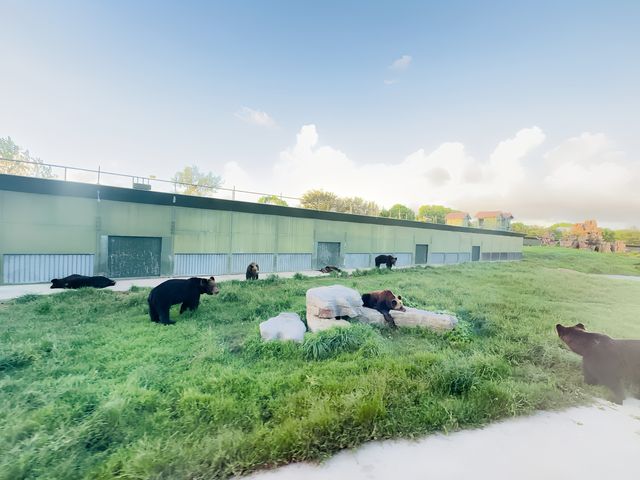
389	260
252	271
384	301
605	360
176	291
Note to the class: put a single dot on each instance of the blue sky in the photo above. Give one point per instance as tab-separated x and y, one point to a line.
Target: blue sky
148	88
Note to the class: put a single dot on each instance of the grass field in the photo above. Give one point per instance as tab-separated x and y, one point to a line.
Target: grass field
90	388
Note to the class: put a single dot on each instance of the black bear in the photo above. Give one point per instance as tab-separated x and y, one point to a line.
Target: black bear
389	260
384	301
176	291
329	269
252	271
605	360
80	281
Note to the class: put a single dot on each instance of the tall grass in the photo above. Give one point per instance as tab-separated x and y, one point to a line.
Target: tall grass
90	388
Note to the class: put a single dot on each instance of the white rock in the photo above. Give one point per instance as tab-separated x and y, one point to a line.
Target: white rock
411	318
334	301
286	326
317	324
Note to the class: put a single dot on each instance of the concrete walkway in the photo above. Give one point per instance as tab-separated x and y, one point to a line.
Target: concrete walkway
623	277
586	443
9	292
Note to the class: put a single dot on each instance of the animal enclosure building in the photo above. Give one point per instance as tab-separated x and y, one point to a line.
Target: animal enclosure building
53	228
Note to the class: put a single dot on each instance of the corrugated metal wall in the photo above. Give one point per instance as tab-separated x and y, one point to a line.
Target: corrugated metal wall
185	264
240	261
436	258
294	262
450	258
358	260
36	268
404	259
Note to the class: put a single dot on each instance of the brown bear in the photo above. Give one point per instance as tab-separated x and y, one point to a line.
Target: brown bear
389	260
384	301
175	291
252	271
329	269
605	360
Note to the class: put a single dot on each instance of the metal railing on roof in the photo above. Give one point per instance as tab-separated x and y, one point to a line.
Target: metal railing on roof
102	177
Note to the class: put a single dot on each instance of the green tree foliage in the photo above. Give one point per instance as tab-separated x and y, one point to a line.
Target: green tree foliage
320	200
608	235
399	211
273	200
629	236
433	213
193	182
330	202
10	151
530	230
358	206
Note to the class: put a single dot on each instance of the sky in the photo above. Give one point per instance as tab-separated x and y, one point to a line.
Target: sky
530	107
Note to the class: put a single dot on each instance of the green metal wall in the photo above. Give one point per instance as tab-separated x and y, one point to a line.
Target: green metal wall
34	223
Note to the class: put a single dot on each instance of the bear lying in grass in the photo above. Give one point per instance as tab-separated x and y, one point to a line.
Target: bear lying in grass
384	301
80	281
605	360
176	291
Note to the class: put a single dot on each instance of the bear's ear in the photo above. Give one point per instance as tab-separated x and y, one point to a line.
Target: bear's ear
212	279
559	328
399	297
581	326
257	267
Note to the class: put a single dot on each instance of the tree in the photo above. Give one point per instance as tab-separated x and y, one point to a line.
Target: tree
273	200
608	235
195	182
630	236
328	201
530	230
399	211
433	213
358	206
320	200
10	151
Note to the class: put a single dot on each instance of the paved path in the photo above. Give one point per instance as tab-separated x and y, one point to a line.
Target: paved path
624	277
9	292
586	443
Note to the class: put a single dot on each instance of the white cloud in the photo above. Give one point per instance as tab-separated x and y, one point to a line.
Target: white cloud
391	81
401	63
255	117
582	177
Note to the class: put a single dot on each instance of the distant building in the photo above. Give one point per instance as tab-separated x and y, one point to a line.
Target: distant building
459	219
494	220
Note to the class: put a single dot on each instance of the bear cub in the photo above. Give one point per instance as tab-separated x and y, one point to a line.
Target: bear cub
389	260
252	271
605	361
384	301
176	291
80	281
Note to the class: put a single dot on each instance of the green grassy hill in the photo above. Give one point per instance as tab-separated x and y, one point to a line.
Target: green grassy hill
90	388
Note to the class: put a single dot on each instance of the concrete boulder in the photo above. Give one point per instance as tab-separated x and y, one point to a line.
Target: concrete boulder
325	304
286	326
411	318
